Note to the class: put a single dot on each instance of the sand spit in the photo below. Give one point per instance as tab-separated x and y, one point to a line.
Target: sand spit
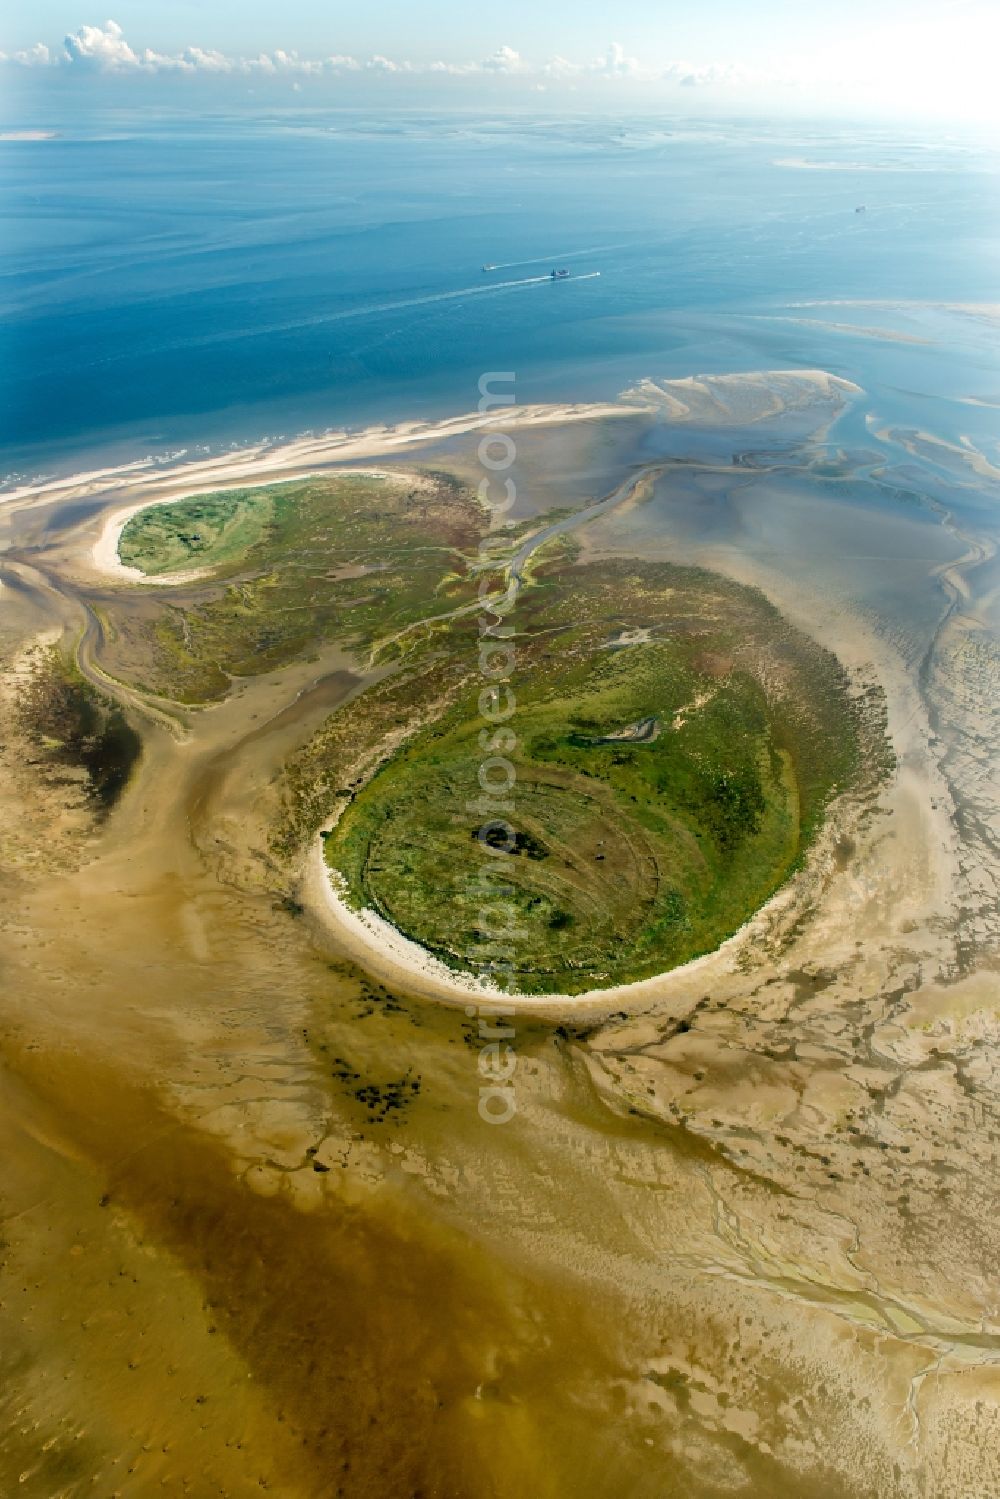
855	330
266	461
702	399
984	311
960	456
742	400
263	465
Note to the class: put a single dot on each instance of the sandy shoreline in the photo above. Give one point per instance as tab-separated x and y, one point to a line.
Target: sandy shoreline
732	399
729	399
302	459
303	455
383	949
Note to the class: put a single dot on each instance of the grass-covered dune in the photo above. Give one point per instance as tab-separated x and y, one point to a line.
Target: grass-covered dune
207	531
675	743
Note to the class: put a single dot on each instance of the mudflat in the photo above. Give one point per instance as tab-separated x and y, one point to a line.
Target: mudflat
256	1230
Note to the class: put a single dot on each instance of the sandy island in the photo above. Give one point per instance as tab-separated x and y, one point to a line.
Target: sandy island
727	400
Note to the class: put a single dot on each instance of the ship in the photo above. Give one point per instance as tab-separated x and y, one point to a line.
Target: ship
560	275
489	267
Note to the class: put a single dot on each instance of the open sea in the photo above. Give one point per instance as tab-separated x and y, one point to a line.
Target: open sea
172	282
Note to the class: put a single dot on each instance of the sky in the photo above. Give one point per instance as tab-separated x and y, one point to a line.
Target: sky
934	59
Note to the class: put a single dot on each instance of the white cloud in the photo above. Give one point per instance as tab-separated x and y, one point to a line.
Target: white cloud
692	75
504	60
560	67
926	64
103	47
614	63
198	60
37	56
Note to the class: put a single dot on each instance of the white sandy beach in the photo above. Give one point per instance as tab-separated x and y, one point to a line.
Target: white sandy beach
304	458
384	950
739	399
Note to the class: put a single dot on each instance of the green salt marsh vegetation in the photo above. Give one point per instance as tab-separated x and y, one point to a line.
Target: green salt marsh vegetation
351	557
674	748
675	745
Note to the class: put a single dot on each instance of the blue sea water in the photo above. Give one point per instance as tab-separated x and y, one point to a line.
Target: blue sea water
167	281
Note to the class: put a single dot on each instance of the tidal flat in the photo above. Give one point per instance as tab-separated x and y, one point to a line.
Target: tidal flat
739	1235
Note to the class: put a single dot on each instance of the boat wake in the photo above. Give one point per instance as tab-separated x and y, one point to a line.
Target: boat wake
512	265
370	309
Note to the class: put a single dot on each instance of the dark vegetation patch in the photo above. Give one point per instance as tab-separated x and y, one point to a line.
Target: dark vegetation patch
72	726
380	1101
521	843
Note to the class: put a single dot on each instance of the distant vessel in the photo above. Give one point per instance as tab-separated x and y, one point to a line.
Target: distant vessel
861	209
560	275
489	267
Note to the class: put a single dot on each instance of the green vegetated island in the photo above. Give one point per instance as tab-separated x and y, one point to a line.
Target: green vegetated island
288	568
676	741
